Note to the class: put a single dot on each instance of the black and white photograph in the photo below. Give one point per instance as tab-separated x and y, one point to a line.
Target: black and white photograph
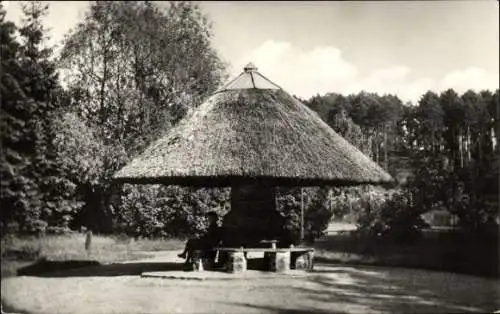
275	157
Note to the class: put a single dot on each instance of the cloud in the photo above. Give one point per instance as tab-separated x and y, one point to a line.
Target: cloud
303	73
324	69
394	80
394	73
469	78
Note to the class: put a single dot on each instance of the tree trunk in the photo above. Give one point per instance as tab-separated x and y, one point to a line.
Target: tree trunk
119	118
469	145
432	141
492	138
104	78
376	148
479	142
460	149
385	150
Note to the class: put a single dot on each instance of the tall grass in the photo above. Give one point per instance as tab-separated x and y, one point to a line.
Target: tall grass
20	251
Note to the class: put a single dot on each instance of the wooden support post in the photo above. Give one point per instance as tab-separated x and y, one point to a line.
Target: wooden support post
88	242
301	214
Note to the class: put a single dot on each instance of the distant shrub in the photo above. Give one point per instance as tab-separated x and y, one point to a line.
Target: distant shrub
391	218
317	212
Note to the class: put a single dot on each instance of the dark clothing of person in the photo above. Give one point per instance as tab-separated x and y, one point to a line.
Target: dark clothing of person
205	243
213	235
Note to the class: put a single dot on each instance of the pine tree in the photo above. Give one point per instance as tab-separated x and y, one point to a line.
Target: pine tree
19	193
56	191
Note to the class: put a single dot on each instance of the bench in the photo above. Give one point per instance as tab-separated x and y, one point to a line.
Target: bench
275	259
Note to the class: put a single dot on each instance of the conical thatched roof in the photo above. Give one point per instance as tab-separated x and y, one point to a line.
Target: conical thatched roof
252	130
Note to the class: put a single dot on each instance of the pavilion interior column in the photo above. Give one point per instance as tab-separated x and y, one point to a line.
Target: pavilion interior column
253	215
253	198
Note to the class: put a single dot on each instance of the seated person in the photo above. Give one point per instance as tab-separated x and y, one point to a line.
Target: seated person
206	242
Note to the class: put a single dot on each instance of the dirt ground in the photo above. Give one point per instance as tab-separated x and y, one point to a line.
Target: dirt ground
118	288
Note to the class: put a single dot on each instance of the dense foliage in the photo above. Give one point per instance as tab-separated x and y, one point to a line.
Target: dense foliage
159	211
131	70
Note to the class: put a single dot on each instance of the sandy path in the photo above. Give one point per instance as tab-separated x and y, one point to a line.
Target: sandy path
329	289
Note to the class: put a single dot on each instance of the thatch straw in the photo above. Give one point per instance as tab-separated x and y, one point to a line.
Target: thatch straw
248	135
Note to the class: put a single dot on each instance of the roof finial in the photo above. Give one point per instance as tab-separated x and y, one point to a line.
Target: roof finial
250	67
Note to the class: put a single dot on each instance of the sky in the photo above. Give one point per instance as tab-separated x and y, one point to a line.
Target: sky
308	48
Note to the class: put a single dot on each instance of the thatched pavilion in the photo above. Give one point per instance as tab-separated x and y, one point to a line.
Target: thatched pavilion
251	135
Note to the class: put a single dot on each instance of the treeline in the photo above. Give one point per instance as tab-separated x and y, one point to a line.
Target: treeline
369	121
442	150
131	70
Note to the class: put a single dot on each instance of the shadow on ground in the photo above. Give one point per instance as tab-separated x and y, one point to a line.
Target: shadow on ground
43	266
383	290
76	268
58	269
404	291
278	310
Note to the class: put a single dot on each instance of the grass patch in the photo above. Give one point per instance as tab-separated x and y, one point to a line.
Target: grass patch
17	252
437	250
